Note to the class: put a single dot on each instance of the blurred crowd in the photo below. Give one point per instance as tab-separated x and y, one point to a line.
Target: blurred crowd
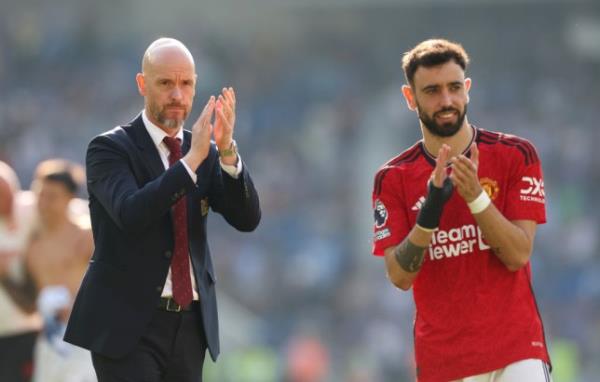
319	109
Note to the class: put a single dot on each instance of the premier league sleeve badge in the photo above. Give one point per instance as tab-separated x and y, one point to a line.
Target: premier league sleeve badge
380	214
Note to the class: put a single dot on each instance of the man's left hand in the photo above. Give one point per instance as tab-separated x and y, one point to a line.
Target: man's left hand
464	175
224	123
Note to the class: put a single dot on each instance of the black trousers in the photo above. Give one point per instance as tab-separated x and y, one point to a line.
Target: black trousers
16	357
171	350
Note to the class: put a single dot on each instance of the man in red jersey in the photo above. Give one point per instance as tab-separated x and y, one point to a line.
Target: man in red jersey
455	218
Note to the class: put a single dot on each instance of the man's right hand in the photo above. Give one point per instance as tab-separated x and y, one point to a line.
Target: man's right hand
201	133
439	190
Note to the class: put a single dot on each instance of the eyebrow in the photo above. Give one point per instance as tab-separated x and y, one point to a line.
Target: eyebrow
436	86
430	87
169	79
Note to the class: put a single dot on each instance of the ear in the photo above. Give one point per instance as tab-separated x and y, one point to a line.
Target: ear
468	87
409	96
141	83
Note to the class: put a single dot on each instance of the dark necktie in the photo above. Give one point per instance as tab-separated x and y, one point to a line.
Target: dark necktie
180	266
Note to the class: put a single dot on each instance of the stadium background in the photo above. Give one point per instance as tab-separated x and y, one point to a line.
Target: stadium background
319	109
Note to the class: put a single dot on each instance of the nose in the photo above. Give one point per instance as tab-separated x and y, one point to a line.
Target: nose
445	98
176	93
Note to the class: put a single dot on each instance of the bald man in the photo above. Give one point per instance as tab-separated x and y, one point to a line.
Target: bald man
146	307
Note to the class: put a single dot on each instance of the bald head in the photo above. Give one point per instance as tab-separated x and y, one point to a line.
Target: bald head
166	51
167	83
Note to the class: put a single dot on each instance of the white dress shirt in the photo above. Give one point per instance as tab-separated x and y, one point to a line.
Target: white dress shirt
158	135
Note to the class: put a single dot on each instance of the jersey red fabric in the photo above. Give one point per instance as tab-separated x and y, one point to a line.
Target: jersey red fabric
472	314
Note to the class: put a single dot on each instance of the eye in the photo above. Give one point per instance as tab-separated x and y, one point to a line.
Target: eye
188	83
455	87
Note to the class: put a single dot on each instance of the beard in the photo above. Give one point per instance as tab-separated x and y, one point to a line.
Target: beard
446	129
159	115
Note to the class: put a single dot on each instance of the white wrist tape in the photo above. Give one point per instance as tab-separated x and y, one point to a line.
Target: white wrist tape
480	203
426	229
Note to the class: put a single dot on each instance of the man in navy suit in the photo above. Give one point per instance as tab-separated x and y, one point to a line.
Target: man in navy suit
146	307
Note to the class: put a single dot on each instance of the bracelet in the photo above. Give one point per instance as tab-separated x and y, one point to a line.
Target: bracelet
480	203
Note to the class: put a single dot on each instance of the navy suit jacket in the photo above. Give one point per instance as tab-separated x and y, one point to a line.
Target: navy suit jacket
131	195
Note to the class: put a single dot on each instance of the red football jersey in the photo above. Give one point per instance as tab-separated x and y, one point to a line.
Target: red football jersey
472	314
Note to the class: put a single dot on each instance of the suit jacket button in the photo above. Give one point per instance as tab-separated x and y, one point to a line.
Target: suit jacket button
159	288
168	254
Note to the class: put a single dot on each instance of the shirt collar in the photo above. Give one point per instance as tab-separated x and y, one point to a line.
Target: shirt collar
156	133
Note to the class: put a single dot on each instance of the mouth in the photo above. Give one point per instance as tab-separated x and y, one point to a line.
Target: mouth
446	115
175	110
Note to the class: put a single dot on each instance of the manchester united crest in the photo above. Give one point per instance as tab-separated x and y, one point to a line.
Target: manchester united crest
490	186
204	206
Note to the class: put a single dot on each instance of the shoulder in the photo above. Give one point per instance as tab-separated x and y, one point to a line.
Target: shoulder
123	133
82	229
397	165
508	144
120	140
113	137
83	237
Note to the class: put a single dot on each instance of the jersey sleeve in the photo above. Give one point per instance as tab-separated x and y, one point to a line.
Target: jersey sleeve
526	198
390	218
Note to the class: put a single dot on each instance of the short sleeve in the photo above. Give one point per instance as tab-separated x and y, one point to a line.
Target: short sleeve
391	224
526	198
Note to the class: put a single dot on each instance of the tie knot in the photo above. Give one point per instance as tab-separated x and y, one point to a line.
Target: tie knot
174	146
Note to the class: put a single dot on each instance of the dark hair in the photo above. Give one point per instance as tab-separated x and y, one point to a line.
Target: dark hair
431	53
70	175
65	178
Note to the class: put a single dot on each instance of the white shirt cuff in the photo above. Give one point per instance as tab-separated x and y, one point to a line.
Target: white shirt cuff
233	171
189	170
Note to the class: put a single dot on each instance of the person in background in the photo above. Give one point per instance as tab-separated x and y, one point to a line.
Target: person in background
55	258
18	330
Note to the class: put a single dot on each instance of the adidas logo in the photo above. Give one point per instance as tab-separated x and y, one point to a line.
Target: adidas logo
418	204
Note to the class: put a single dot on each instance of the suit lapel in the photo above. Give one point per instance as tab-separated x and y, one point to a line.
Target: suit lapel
148	151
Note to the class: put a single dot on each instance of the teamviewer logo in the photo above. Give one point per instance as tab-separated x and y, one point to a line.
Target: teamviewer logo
418	204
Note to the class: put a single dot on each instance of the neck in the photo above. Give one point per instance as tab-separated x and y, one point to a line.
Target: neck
55	223
171	131
458	143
